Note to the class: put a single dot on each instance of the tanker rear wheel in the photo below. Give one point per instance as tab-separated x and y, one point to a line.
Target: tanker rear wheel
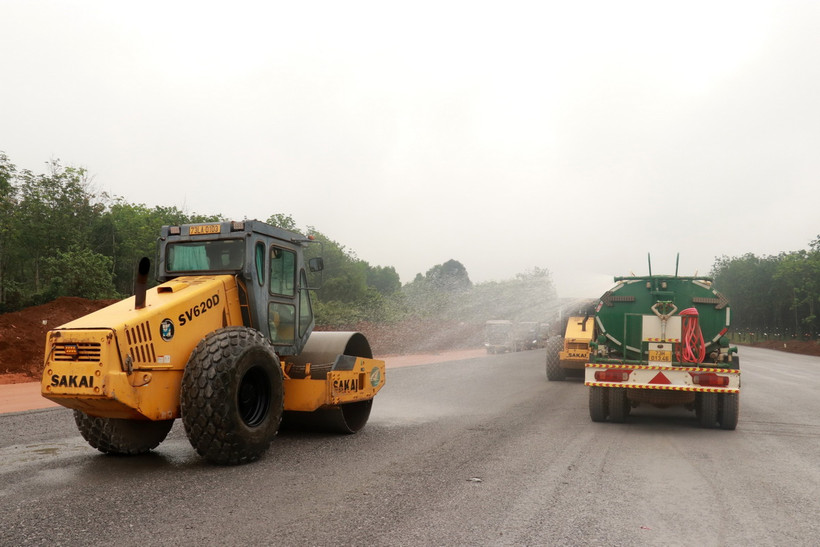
729	410
708	410
119	436
232	396
554	370
618	404
598	403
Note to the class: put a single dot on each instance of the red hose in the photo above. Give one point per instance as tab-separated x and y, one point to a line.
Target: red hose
694	349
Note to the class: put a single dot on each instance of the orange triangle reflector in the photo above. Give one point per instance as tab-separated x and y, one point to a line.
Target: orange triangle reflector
660	379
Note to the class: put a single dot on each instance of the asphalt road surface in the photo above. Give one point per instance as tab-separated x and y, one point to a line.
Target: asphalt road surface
482	451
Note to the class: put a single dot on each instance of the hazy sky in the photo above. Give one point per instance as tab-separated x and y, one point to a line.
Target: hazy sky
572	136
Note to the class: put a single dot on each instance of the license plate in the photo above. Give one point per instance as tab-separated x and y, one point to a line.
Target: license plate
206	229
660	356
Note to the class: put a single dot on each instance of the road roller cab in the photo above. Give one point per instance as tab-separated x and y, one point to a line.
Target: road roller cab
225	342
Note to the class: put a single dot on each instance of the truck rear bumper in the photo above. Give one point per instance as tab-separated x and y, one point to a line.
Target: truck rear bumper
698	379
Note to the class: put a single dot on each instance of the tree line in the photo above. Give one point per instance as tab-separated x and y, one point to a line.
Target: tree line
58	237
772	297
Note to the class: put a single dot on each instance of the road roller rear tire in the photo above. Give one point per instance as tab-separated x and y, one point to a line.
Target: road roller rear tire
554	371
232	396
121	437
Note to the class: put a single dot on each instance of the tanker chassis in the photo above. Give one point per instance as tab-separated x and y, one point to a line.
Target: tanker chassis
661	340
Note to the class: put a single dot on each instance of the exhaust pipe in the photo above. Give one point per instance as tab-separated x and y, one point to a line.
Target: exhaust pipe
142	283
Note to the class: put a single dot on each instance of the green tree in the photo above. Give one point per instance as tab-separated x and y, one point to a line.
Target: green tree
56	211
127	232
384	279
344	276
754	293
449	276
800	271
282	220
435	293
79	272
8	204
530	296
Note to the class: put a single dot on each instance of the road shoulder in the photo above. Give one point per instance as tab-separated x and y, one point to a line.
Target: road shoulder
26	396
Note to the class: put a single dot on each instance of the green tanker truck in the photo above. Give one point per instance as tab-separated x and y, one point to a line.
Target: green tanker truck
662	340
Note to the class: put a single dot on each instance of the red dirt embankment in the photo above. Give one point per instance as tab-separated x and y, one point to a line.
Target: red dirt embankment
804	347
23	336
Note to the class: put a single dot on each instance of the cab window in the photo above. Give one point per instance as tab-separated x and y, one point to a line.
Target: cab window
282	323
226	254
282	271
259	258
305	309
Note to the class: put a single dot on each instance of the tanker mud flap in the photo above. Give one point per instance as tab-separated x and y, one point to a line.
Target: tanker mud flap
335	397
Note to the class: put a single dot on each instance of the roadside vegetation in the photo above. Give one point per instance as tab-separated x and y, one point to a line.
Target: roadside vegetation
60	238
772	297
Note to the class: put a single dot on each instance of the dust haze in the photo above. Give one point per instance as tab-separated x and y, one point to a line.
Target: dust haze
575	137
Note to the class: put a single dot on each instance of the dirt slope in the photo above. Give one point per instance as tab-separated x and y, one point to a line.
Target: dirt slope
805	347
23	336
